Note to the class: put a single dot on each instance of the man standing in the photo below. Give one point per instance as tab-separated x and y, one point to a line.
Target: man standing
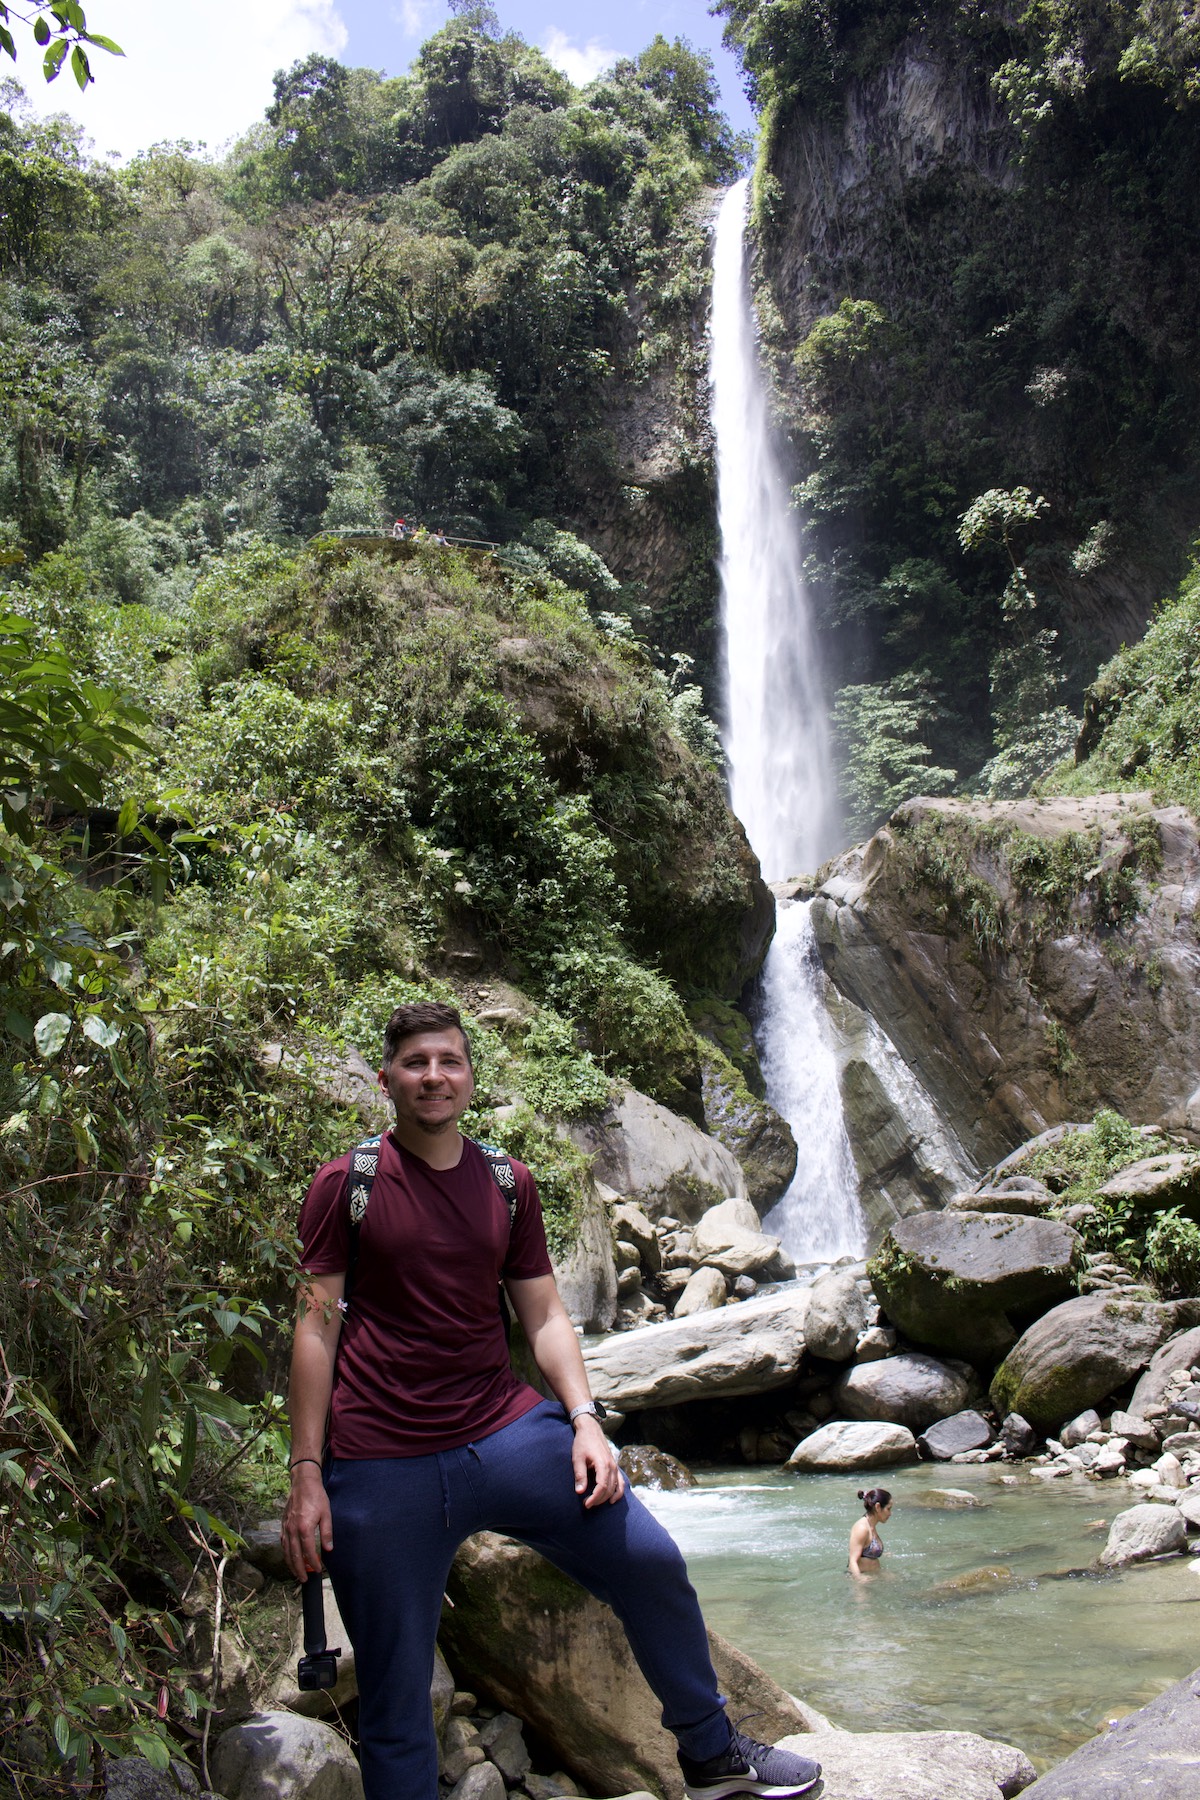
410	1432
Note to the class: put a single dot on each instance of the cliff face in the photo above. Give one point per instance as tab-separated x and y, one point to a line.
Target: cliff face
957	304
1030	961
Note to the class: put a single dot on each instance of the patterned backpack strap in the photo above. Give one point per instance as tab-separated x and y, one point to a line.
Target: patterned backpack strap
364	1165
503	1174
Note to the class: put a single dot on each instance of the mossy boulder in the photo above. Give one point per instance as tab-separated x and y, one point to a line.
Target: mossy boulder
761	1140
1081	1352
966	1282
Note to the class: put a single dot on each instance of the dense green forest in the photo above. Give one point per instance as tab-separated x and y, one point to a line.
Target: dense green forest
977	229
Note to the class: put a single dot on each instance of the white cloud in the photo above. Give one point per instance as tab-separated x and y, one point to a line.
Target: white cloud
414	16
202	73
579	63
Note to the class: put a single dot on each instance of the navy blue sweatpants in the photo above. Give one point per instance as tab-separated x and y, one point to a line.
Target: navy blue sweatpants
397	1523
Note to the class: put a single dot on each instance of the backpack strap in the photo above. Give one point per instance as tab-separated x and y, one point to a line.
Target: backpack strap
360	1179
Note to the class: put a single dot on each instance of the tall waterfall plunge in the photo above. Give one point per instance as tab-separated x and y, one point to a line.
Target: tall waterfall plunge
777	743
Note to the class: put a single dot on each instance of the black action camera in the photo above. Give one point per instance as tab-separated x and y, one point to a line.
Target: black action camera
317	1668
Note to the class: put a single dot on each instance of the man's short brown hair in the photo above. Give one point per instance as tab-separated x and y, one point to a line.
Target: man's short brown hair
423	1015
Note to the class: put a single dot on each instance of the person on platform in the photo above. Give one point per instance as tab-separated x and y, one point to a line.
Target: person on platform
410	1432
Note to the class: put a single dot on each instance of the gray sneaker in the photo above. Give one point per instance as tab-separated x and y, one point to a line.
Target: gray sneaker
748	1767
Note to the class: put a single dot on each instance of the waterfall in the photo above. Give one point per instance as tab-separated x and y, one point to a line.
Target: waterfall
777	745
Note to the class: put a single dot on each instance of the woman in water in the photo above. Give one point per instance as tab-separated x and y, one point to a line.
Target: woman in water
866	1545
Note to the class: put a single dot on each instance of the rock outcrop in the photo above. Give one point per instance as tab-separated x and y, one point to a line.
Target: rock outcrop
661	1161
1153	1752
965	1282
1082	1351
909	1389
541	1645
748	1125
1004	1002
747	1348
915	1765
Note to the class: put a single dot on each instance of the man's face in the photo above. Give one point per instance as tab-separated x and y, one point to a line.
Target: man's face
429	1080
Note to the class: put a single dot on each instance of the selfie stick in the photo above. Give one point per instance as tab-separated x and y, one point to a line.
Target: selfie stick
317	1668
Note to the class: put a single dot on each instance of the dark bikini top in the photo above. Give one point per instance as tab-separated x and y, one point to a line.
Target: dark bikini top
872	1551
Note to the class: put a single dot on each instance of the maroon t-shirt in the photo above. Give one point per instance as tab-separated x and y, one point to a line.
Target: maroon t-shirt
422	1363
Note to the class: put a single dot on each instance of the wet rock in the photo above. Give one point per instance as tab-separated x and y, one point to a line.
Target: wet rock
910	1389
746	1349
956	1280
955	1435
1153	1752
657	1159
975	1581
702	1291
281	1756
1077	1430
647	1466
949	1499
1081	1351
847	1445
1142	1532
914	1765
837	1317
1018	1436
526	1634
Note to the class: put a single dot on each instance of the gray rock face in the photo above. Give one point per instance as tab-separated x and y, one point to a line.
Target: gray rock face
744	1349
530	1637
984	1035
1141	1532
837	1315
587	1275
1154	1753
1182	1351
663	1162
1080	1352
956	1435
750	1127
909	1389
846	1445
953	1279
281	1756
914	1765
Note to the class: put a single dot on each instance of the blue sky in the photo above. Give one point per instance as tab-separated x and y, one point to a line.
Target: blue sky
204	73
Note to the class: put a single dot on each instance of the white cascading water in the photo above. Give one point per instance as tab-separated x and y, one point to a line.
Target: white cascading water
777	744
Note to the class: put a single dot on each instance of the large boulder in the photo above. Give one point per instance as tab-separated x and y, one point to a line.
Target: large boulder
1179	1352
281	1756
935	929
844	1445
728	1238
1081	1351
744	1349
533	1640
1141	1532
702	1292
1154	1752
959	1280
909	1389
664	1163
837	1315
914	1765
1158	1182
954	1436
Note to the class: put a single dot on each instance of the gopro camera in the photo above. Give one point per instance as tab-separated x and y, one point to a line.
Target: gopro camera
317	1668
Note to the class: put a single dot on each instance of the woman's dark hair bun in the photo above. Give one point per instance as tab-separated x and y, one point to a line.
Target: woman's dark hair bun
860	1493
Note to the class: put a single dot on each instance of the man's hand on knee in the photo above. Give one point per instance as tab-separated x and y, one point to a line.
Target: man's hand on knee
307	1522
595	1464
